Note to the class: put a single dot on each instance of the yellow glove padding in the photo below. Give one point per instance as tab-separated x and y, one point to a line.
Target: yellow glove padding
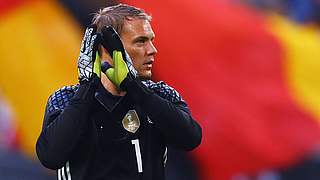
120	70
97	65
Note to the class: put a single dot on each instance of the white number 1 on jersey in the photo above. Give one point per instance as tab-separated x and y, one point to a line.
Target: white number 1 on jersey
135	142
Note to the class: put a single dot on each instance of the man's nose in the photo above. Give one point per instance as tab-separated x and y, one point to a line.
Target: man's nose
151	49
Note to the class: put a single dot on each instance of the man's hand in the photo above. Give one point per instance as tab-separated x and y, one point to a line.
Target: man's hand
89	61
120	70
123	66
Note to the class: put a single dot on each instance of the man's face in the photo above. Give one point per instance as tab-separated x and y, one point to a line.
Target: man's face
137	37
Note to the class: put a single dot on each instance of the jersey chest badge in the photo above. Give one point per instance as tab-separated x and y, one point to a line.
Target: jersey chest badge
131	121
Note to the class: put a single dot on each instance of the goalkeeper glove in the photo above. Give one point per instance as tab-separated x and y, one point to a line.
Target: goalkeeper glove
123	67
89	61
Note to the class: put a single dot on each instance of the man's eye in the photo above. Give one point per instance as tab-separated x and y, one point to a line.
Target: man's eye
141	41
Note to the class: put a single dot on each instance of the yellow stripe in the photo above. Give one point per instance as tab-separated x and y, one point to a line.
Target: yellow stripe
39	47
302	55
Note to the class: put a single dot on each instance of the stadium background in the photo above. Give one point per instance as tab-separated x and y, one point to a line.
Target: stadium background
249	70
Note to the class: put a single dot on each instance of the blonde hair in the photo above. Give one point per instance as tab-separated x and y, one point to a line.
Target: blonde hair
116	15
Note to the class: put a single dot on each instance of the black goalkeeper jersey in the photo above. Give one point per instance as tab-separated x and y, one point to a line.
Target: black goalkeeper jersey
89	134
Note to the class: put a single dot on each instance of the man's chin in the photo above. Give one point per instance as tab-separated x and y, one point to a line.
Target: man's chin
145	76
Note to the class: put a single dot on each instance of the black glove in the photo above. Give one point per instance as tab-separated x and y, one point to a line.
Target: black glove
113	44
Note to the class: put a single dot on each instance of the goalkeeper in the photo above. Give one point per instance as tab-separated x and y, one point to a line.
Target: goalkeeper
116	123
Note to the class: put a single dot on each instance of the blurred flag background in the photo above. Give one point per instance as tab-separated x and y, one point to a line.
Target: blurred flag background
249	70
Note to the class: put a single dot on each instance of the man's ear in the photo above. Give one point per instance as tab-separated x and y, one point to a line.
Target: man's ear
104	55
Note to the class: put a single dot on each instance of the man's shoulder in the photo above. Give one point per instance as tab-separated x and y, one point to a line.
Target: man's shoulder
164	90
61	97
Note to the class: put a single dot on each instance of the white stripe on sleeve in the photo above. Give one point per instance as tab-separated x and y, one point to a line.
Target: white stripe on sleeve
68	170
59	174
63	174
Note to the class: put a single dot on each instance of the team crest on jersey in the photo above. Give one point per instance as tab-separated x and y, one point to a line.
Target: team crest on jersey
131	121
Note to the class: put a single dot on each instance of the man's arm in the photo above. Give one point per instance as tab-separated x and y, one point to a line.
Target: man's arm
65	119
170	114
